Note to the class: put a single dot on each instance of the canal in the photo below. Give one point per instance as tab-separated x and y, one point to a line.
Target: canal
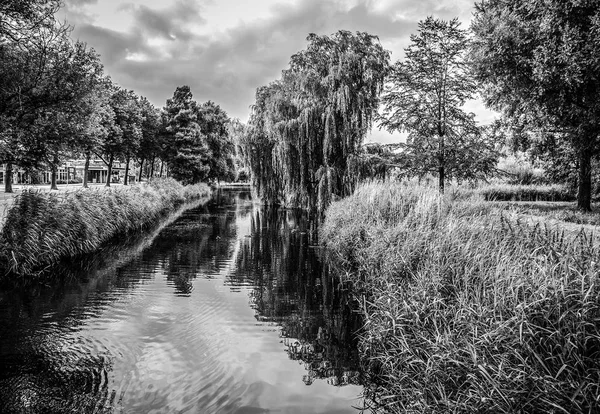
227	309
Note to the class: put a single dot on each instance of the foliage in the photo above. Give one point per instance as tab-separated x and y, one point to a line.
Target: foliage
257	149
306	129
214	124
538	62
188	152
468	309
424	96
45	78
151	140
21	18
42	228
520	170
122	123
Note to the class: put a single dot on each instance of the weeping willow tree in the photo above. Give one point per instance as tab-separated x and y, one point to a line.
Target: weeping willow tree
304	141
256	148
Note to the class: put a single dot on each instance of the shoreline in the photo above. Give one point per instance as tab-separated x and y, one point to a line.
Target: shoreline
466	304
42	228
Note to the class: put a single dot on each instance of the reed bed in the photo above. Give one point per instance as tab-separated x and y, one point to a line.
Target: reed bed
467	310
41	228
509	192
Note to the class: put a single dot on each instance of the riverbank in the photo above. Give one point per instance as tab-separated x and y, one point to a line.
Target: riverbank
42	228
6	199
469	307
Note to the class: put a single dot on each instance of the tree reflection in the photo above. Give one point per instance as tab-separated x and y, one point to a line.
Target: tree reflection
199	243
289	285
293	289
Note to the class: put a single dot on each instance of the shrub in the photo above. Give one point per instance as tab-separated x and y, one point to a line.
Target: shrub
43	227
466	309
520	171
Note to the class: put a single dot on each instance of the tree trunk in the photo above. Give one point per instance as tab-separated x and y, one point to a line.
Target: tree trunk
442	166
53	170
8	173
86	170
152	168
126	180
584	191
109	165
141	169
161	168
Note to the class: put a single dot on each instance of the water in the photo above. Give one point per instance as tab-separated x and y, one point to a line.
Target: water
228	309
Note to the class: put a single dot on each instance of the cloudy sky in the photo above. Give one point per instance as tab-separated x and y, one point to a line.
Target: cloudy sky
225	49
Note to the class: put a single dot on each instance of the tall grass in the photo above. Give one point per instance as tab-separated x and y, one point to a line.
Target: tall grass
467	310
42	228
509	192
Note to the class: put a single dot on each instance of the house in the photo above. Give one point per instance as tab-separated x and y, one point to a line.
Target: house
71	172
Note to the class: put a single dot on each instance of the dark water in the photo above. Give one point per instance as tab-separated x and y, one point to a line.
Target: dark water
226	310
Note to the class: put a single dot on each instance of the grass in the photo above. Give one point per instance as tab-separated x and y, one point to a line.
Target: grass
509	192
41	228
467	308
556	211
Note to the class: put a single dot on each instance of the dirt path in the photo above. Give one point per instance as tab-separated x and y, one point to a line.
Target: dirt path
545	214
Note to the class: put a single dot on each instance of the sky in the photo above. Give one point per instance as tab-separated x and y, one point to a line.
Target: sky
225	49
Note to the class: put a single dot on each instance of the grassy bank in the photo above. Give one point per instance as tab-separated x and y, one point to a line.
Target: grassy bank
468	309
42	228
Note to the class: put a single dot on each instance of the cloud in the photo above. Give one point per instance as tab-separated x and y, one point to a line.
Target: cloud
163	48
170	23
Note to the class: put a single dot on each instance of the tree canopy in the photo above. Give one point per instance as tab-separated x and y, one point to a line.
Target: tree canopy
539	63
424	96
306	129
214	124
44	78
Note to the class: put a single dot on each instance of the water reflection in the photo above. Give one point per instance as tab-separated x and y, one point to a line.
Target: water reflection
292	289
228	309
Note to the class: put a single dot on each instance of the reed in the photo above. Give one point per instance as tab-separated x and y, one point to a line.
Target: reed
42	228
509	192
468	309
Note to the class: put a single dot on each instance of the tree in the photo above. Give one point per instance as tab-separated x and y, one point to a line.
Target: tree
123	128
20	18
43	76
256	147
149	146
214	123
27	31
69	124
98	123
237	132
538	62
309	126
424	96
187	151
131	121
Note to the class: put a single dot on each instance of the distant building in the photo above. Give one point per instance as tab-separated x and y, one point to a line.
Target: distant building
71	172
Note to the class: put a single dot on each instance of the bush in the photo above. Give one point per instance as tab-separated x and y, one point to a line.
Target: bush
42	228
519	171
468	310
